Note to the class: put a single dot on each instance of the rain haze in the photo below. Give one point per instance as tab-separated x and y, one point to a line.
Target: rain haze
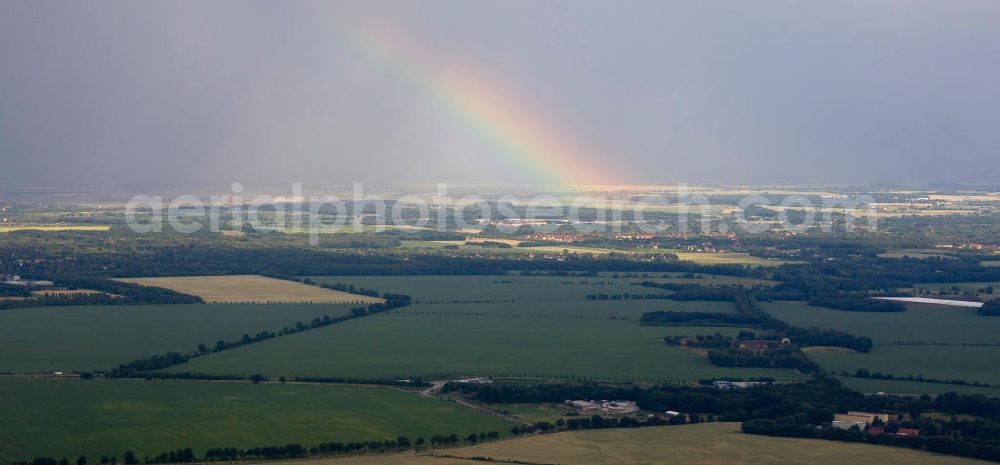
195	94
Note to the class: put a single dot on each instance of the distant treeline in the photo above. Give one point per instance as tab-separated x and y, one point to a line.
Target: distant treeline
627	296
853	303
109	292
123	254
671	318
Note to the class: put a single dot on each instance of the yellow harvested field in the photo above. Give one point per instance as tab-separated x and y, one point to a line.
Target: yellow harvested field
252	289
12	228
728	259
510	242
700	444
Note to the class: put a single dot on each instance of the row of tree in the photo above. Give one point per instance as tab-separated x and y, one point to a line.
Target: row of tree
785	357
287	451
855	303
158	362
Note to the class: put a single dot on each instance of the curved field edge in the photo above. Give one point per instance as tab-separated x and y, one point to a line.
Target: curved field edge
701	444
99	337
100	417
436	346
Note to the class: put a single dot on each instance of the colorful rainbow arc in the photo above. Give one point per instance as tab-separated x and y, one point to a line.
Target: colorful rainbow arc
531	144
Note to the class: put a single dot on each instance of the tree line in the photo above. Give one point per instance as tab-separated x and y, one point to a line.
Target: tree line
855	303
752	316
280	452
141	367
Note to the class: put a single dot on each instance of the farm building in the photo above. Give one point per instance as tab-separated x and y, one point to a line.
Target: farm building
841	424
860	419
756	346
604	406
738	384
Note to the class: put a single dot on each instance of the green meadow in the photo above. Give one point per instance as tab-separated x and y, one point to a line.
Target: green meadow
621	310
953	362
954	343
491	288
403	344
80	338
69	418
919	323
870	386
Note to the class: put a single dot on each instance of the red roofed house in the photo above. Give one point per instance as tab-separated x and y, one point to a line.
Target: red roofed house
912	432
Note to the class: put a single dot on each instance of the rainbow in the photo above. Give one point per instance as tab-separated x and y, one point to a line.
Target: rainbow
533	145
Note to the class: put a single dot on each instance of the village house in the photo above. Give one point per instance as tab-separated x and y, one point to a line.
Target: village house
725	385
756	346
861	420
619	407
477	380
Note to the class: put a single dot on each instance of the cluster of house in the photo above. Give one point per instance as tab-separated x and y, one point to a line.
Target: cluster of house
758	345
514	222
555	237
617	407
477	380
753	345
969	246
727	385
15	280
865	421
634	237
705	249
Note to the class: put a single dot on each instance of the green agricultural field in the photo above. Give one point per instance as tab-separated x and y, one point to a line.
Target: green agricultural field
711	280
67	418
534	413
54	228
923	323
701	444
79	338
870	386
401	344
705	258
969	363
608	309
704	279
962	289
438	289
951	326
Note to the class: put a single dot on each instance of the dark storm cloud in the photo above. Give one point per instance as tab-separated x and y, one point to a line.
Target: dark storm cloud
189	94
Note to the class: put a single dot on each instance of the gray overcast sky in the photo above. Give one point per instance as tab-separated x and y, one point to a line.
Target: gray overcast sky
178	94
